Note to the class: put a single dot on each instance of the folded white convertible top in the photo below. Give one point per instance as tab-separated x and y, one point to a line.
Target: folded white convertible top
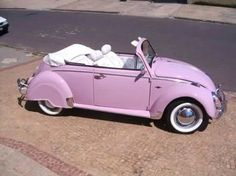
58	58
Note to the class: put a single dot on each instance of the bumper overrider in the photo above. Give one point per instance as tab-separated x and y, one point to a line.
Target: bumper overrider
220	101
22	85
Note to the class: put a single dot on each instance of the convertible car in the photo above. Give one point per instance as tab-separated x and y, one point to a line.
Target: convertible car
141	84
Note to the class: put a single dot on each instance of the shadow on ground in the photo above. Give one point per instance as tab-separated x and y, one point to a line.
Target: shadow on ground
76	112
3	33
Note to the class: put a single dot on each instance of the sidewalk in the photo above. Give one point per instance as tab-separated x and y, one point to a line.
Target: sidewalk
21	159
11	57
13	163
134	8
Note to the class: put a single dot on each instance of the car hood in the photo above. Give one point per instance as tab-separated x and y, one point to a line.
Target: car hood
2	19
171	68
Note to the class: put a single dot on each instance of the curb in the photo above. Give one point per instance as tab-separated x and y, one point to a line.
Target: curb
200	20
14	8
170	16
84	11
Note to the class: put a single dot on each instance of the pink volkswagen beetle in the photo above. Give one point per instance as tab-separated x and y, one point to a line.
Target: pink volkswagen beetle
141	84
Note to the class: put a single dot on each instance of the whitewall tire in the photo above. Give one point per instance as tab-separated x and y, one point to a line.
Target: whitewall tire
185	117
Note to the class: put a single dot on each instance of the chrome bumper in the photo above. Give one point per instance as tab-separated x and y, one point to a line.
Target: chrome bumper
220	101
22	86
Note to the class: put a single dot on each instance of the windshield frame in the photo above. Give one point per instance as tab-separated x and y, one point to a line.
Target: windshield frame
148	52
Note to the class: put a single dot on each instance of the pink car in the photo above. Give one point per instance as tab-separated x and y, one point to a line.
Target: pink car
141	84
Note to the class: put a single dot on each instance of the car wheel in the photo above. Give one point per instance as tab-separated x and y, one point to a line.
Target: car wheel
48	108
185	117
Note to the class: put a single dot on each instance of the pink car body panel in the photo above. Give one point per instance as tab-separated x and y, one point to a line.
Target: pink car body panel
170	92
146	92
120	89
49	86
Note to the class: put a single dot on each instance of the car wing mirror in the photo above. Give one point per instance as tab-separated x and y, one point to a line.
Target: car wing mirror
143	72
140	75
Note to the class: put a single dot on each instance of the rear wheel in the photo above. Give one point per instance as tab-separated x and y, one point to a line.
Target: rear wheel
185	116
48	108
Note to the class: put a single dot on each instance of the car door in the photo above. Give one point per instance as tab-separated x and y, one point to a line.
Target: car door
119	88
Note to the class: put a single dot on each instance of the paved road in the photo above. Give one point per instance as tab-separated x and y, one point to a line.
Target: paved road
209	46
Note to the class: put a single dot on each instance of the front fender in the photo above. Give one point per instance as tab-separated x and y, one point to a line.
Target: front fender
180	90
49	86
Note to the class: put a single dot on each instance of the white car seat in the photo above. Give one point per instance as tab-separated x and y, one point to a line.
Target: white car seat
110	59
106	49
82	59
95	55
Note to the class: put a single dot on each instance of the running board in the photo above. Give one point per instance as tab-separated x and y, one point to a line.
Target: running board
139	113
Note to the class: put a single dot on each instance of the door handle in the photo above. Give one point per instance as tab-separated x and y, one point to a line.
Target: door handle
99	76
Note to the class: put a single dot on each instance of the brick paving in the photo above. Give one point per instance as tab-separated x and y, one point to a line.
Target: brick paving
14	163
52	163
107	144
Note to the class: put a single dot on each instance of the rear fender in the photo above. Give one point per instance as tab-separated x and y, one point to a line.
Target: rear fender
169	94
49	86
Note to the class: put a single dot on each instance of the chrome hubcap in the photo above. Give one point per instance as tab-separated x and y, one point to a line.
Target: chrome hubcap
186	116
48	108
49	105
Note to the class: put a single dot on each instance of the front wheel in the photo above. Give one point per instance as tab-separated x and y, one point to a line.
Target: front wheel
185	117
48	108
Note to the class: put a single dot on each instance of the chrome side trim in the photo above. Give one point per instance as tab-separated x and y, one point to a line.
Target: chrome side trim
180	81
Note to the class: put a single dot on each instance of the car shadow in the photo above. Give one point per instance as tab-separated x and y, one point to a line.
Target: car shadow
3	33
105	116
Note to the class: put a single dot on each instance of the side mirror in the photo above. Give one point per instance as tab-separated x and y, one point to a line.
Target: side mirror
143	72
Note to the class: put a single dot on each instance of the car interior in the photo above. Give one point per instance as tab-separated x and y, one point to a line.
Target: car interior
80	55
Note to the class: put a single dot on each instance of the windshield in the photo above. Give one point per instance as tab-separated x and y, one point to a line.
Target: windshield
148	52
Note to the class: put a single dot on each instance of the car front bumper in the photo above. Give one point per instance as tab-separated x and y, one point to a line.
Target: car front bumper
220	102
4	26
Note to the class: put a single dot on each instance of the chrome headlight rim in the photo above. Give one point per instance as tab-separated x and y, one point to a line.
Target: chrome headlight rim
220	94
219	98
217	101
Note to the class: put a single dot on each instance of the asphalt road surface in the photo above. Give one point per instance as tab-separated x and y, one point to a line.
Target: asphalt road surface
210	46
